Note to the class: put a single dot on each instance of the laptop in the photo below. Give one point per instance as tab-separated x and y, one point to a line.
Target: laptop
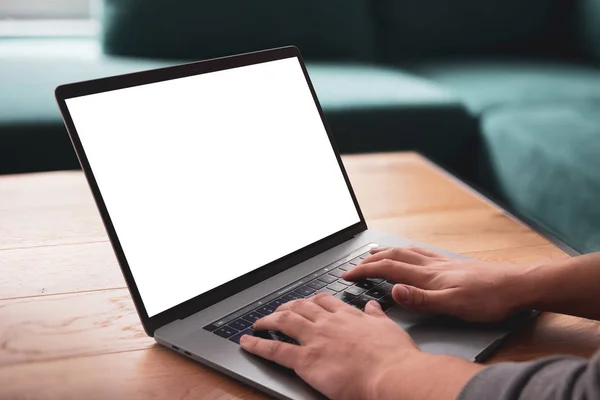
224	196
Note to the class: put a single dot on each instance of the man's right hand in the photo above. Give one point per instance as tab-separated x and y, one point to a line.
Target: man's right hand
430	282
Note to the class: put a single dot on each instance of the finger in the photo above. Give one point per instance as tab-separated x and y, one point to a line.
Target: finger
376	250
426	301
286	321
390	270
328	302
399	254
426	252
374	308
285	354
305	308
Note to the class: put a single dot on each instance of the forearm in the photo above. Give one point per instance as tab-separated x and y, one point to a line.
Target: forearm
424	376
567	287
433	377
554	378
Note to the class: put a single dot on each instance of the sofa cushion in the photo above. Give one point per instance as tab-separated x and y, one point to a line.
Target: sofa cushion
546	163
30	70
588	27
323	30
383	109
484	84
423	28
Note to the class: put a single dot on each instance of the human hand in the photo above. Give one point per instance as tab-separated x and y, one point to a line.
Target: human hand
430	282
343	353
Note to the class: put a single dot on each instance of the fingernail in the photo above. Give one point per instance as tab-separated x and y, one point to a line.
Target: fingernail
243	340
401	292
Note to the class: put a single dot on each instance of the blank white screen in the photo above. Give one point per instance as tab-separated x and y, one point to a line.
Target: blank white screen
209	177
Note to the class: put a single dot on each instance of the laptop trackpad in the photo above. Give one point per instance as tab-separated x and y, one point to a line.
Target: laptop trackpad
447	335
407	319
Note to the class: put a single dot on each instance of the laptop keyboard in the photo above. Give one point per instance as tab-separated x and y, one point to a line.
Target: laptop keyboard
326	280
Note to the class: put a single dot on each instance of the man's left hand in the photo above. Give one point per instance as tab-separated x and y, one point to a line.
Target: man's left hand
343	353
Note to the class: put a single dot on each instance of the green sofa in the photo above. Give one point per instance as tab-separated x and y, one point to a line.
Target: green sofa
504	93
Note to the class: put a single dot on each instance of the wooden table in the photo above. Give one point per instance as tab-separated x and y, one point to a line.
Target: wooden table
68	328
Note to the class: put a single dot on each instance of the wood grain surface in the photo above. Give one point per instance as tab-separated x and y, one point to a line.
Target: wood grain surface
68	327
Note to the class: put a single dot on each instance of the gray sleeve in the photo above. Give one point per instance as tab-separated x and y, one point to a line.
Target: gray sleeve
555	378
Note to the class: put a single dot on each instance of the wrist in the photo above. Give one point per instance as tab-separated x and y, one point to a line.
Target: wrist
384	382
411	378
536	285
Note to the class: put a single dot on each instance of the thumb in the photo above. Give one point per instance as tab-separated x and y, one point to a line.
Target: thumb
374	308
428	301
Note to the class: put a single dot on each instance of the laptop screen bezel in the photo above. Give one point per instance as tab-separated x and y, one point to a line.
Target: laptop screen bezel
245	281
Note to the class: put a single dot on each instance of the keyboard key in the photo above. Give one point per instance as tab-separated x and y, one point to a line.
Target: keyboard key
252	316
345	282
226	332
365	284
282	337
376	281
386	302
266	309
328	278
291	296
363	256
365	298
277	302
337	272
263	334
362	300
236	338
337	287
346	267
354	290
385	287
215	325
376	293
356	305
316	284
356	261
345	296
305	290
324	270
325	290
240	324
314	275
